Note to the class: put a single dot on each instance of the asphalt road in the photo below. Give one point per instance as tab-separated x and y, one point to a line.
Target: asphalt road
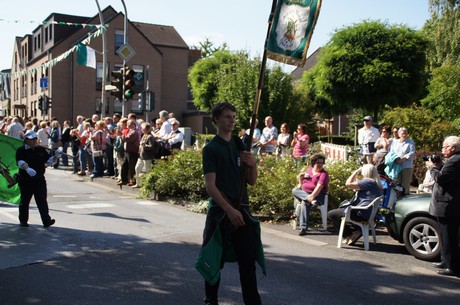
108	247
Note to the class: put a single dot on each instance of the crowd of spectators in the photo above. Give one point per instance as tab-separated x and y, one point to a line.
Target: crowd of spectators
123	148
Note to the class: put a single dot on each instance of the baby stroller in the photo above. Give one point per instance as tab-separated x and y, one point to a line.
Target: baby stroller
392	191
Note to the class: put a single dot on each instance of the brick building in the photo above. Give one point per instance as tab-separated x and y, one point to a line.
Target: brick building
76	90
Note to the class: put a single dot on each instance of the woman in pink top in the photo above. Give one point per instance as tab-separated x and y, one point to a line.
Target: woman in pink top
312	189
300	143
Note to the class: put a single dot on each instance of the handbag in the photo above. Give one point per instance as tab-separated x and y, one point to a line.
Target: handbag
98	153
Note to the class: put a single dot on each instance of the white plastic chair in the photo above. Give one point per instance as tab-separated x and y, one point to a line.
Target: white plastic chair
364	225
322	208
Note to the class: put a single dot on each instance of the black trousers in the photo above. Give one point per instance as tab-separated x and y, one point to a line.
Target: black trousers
244	244
38	189
450	251
128	167
336	215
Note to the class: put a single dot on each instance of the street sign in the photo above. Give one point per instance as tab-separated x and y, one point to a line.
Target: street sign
126	52
44	82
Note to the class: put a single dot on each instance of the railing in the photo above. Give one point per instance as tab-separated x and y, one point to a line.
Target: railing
334	151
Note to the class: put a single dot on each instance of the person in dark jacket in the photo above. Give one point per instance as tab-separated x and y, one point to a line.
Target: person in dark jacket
445	205
222	158
131	139
32	160
147	148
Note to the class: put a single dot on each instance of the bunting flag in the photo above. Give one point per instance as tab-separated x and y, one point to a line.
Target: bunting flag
45	22
86	56
9	189
56	60
291	30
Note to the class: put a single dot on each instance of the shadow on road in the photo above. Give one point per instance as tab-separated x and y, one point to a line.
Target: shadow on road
119	269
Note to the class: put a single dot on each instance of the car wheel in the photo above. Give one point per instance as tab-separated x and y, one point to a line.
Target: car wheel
422	238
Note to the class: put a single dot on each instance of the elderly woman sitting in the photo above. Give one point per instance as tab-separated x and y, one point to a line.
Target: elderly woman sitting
313	186
367	189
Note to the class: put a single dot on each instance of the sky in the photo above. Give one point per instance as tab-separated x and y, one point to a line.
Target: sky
242	24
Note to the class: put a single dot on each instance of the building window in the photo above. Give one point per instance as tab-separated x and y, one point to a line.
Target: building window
119	39
46	35
51	31
35	43
39	38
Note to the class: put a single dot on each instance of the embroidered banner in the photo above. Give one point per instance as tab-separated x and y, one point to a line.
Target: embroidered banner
292	29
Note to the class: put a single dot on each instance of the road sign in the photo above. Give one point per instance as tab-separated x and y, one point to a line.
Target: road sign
126	52
44	82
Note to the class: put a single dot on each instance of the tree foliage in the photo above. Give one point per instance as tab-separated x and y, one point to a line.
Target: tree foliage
233	77
427	131
443	32
208	48
444	92
370	65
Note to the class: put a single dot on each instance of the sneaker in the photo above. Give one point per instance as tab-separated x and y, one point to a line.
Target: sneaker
136	186
49	223
303	232
355	236
24	224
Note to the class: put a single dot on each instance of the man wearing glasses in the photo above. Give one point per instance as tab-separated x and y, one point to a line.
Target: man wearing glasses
445	205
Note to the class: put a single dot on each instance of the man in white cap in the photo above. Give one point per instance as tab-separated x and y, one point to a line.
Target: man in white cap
367	136
32	160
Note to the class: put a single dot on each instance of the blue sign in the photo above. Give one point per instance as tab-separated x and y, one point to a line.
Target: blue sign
44	82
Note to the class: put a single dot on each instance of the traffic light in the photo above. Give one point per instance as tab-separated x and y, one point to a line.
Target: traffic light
151	104
47	103
129	83
40	103
118	83
141	100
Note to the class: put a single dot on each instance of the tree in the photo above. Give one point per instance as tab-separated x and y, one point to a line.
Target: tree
207	48
370	65
443	32
444	92
233	76
204	78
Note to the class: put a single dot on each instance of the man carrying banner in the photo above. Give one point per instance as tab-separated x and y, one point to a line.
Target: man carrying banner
236	229
32	160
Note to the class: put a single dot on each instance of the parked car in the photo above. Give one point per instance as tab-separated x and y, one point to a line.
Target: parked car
410	223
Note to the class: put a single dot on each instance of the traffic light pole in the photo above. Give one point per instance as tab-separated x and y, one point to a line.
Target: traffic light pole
125	40
104	61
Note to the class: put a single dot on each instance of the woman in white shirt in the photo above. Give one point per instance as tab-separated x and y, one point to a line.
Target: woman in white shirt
284	141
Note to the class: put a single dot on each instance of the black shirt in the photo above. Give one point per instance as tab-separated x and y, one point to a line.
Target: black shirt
35	158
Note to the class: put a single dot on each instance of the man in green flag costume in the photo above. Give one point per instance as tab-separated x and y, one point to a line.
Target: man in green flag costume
231	233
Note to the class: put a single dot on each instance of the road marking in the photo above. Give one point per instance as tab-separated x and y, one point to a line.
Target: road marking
90	205
294	237
8	215
147	203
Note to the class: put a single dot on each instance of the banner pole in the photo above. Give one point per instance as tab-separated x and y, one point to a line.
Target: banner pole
255	110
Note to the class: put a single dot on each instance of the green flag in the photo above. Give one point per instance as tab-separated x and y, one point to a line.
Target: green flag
291	31
86	56
9	190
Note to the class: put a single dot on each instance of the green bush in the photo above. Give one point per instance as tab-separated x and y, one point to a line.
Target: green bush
272	195
180	177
